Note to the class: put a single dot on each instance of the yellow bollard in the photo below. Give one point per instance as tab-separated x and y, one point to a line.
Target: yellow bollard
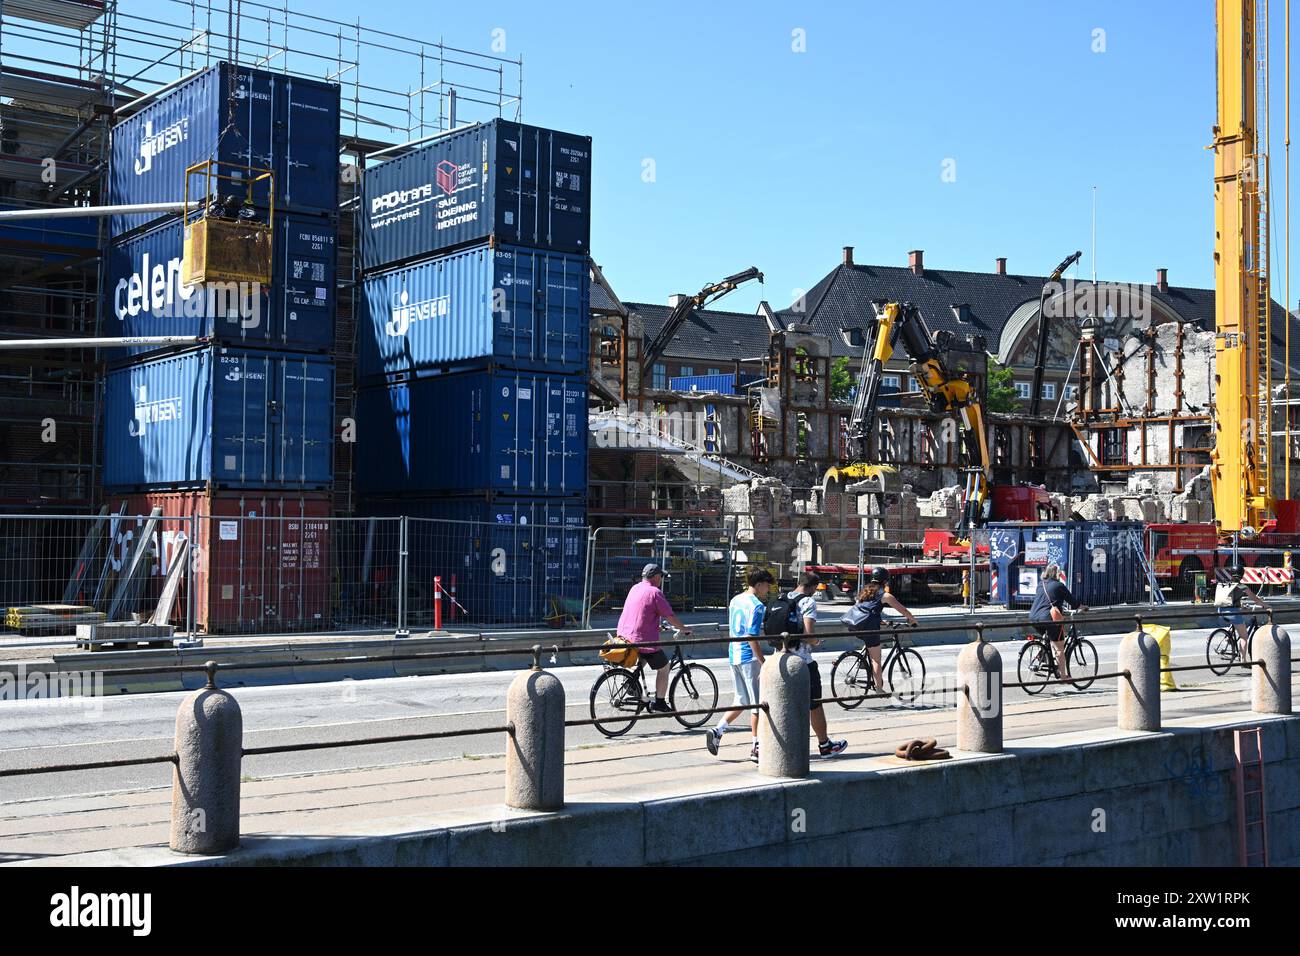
1164	639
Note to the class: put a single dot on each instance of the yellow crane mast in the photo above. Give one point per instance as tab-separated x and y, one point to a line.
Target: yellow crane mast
1241	469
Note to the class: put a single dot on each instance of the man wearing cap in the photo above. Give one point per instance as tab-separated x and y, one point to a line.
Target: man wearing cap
639	623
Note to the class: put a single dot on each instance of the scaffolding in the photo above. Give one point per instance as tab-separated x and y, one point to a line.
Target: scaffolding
69	69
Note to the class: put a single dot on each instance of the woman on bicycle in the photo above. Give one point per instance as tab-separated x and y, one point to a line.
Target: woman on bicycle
1048	611
866	615
1228	596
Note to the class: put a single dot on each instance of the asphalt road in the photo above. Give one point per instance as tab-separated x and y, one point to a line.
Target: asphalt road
36	733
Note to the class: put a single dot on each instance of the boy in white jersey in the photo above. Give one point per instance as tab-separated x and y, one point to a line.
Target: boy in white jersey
746	657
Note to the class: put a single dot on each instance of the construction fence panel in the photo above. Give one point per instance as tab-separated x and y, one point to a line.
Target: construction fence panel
486	573
58	571
698	561
295	574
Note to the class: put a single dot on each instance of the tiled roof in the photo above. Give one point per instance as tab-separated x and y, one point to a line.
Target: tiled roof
842	299
600	300
708	333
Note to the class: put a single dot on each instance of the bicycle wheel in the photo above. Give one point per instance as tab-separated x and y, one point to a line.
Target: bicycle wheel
907	671
616	694
694	688
1030	667
1083	660
1221	650
851	677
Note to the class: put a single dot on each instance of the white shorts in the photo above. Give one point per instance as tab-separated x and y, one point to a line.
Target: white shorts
746	679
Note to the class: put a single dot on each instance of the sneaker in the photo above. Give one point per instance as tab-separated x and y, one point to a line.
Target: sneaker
711	740
753	754
832	748
660	707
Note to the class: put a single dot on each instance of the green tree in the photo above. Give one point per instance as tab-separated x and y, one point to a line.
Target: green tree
841	380
1002	396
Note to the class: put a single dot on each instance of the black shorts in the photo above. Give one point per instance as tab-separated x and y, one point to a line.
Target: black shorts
814	686
1052	630
870	640
657	660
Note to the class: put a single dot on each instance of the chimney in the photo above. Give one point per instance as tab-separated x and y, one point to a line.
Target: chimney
676	298
1162	280
848	255
916	262
1000	265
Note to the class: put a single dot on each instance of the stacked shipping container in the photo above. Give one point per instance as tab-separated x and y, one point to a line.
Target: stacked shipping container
473	363
233	437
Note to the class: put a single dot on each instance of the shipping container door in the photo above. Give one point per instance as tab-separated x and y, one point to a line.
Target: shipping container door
516	183
515	561
564	323
308	266
562	441
516	297
248	117
243	406
511	433
302	420
308	147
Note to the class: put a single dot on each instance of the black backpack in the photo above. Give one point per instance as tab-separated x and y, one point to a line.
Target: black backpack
782	616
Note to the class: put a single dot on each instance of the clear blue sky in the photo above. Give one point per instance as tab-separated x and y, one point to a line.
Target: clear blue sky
770	157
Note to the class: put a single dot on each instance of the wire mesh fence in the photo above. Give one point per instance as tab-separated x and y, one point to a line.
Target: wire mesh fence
58	571
699	562
298	571
537	563
510	571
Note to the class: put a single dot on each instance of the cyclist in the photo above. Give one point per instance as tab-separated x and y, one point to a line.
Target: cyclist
746	657
866	615
804	599
1048	611
1228	596
639	625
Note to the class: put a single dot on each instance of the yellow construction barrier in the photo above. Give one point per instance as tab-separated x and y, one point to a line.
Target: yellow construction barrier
1164	640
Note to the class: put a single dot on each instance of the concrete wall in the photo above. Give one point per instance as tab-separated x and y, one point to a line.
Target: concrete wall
1095	798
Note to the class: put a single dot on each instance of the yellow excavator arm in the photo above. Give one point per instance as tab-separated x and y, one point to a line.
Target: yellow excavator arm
944	392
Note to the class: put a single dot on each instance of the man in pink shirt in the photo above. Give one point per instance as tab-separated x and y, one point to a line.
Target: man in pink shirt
639	624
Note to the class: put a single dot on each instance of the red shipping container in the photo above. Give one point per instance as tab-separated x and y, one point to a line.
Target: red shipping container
261	560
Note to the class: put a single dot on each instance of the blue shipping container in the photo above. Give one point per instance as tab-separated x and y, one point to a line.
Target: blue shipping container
506	181
227	418
1099	560
51	240
523	308
510	559
512	432
239	117
722	384
143	286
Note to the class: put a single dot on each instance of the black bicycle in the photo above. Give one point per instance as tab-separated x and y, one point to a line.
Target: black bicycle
852	677
1037	662
1221	650
619	694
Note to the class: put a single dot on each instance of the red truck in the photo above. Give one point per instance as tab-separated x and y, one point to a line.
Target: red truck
1178	552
